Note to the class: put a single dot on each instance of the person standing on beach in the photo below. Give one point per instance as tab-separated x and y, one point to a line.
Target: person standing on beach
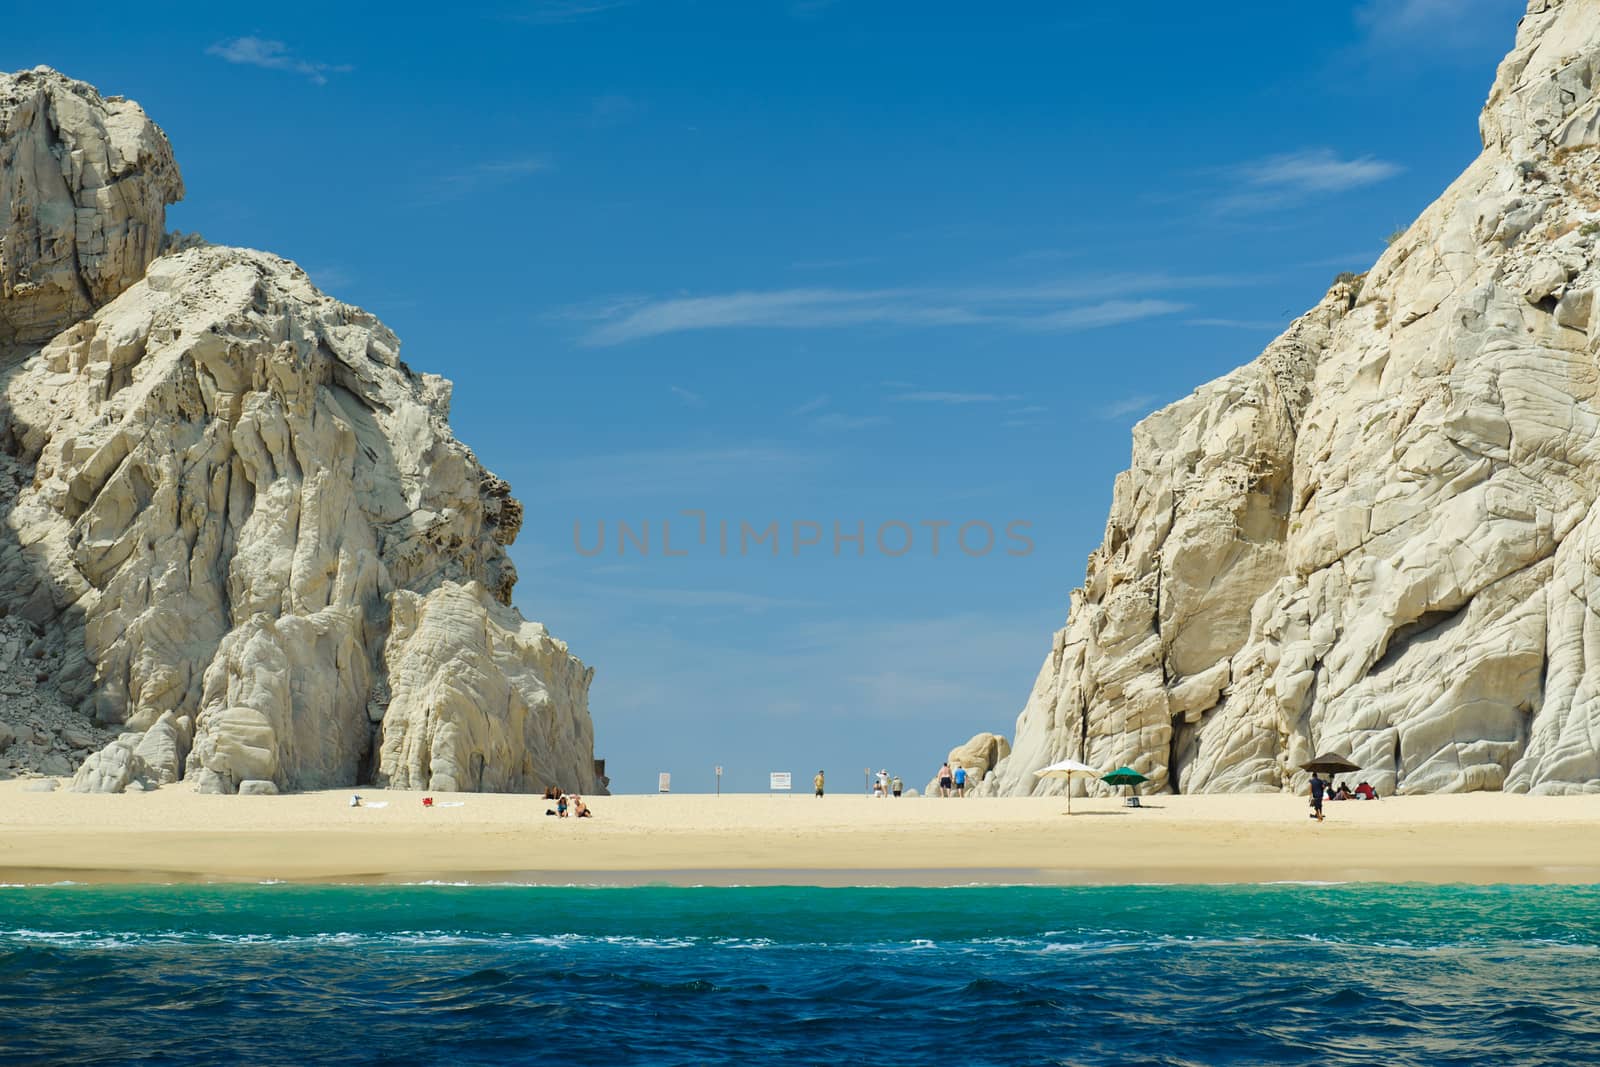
817	783
1318	787
945	780
898	785
961	780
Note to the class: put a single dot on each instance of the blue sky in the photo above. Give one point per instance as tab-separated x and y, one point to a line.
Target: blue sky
859	264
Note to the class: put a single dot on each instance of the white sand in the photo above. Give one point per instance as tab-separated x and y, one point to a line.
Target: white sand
174	834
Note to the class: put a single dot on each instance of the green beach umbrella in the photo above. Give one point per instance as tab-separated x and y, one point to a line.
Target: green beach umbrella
1124	776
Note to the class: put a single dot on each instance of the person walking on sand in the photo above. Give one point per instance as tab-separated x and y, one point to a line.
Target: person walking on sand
816	783
898	785
1318	787
945	779
880	788
961	780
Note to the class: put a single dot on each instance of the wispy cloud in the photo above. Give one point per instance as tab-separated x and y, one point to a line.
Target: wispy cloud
1239	324
613	109
1317	170
274	55
1436	23
684	473
934	397
833	264
1292	177
693	399
549	12
1052	306
816	403
839	422
328	276
463	183
1131	405
734	599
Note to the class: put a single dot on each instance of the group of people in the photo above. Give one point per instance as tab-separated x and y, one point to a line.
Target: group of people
566	805
1321	791
1343	791
952	782
883	785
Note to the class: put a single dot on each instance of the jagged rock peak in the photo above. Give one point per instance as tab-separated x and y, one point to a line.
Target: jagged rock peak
84	185
1382	536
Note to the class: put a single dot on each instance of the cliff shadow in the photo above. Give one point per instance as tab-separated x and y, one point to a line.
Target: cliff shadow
45	672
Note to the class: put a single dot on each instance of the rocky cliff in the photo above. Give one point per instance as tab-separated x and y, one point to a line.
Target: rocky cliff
240	542
1381	537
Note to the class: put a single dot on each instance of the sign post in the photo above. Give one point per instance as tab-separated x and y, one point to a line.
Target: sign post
779	781
719	779
664	783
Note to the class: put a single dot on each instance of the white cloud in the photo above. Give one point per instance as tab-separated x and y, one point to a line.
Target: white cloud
465	182
932	397
693	399
833	264
1283	180
816	403
1238	324
274	55
684	472
1421	24
1109	313
1132	405
1053	306
837	421
549	12
1317	170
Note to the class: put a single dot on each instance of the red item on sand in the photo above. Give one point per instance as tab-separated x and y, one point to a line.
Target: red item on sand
427	802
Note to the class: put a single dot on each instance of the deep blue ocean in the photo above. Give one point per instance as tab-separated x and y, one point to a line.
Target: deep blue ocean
1331	975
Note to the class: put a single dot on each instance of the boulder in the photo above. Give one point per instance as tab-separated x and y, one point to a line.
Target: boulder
506	714
256	787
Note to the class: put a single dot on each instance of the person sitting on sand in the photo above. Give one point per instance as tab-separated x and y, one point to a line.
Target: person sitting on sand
1366	792
1344	792
561	806
580	809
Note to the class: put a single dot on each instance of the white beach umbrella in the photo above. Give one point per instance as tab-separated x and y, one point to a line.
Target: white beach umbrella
1064	770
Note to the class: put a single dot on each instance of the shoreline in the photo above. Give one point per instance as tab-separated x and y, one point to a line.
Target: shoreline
176	836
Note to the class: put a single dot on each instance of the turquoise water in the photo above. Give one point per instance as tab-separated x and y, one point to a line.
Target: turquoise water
1337	975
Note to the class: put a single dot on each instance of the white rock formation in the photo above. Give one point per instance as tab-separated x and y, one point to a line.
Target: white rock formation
1381	537
84	184
979	756
223	491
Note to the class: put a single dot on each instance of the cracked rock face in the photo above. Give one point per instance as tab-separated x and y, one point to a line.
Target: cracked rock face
225	495
1379	538
84	185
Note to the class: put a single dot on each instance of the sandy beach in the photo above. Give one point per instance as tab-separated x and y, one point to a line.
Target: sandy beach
177	835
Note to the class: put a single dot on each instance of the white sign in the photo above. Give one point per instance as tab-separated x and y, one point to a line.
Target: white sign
780	780
666	783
